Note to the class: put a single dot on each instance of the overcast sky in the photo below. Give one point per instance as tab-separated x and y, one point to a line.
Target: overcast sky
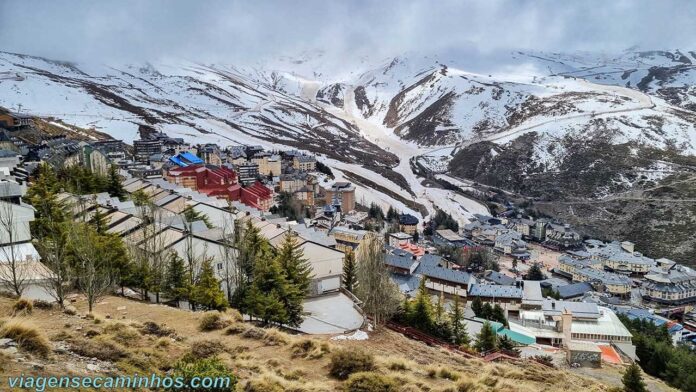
235	31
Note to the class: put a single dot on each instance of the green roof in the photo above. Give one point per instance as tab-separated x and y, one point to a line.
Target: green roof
517	337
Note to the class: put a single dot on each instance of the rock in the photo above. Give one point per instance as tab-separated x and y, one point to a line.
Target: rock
9	350
92	367
5	342
70	310
121	308
78	328
12	344
108	316
37	366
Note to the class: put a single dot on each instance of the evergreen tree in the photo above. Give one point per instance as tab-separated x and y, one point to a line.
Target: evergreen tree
477	306
114	185
99	221
535	273
265	297
498	314
392	214
349	279
422	309
298	273
250	247
486	340
206	291
176	282
505	343
633	380
486	311
440	307
460	335
191	215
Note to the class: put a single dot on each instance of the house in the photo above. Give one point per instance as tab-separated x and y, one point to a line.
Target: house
590	271
210	154
258	196
442	279
327	266
561	236
304	162
396	239
574	290
400	262
94	159
269	164
408	224
447	237
347	239
511	244
248	173
292	182
144	148
619	257
498	278
186	159
509	296
341	194
676	286
10	120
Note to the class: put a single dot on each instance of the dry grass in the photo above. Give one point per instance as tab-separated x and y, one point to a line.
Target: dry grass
22	307
27	336
101	347
310	349
212	321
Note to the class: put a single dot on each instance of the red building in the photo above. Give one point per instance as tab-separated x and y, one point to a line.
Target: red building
222	182
257	195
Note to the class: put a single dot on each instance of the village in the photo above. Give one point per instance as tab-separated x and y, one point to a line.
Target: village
561	295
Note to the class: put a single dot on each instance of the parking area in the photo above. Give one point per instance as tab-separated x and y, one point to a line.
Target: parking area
330	314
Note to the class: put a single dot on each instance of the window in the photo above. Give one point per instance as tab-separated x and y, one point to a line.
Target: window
219	266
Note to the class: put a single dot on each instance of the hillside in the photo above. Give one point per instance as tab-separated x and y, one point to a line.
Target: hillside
119	341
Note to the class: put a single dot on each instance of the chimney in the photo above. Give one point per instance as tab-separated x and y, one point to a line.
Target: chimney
278	226
566	323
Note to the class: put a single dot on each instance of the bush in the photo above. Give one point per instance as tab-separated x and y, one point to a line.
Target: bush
346	362
27	337
41	304
448	374
100	348
22	306
265	384
466	386
309	348
234	315
273	337
254	333
152	328
70	310
122	333
397	366
370	382
236	329
212	321
188	368
206	348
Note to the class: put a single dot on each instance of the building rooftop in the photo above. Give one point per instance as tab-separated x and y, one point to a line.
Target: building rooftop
430	267
498	278
494	291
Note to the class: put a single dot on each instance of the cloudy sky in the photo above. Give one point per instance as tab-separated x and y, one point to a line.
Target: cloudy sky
235	31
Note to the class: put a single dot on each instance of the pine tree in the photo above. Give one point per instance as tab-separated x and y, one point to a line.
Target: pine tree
265	296
505	343
486	311
460	335
349	279
99	221
422	309
176	283
206	291
298	274
633	379
486	340
440	307
114	185
477	306
498	314
535	273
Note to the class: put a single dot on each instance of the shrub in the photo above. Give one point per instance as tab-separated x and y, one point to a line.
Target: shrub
544	360
41	304
466	386
448	374
212	321
70	310
370	382
234	315
27	337
163	343
100	348
254	333
265	384
122	333
345	362
189	368
152	328
235	329
22	306
309	348
273	337
206	348
397	366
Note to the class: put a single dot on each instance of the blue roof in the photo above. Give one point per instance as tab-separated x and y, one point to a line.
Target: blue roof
574	290
192	159
175	159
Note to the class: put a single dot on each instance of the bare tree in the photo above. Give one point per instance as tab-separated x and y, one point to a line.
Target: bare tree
229	254
95	275
55	255
380	295
14	272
